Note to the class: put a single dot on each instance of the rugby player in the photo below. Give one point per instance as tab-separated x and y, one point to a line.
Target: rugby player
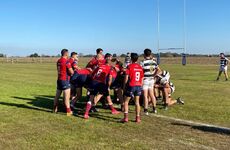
73	60
63	82
96	60
127	59
133	86
223	66
117	80
167	89
82	79
165	76
99	85
150	69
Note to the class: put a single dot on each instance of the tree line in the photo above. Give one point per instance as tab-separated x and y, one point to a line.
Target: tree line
166	54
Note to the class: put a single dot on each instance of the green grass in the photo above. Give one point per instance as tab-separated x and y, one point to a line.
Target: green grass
26	121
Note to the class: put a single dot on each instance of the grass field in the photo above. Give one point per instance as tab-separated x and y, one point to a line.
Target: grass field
26	121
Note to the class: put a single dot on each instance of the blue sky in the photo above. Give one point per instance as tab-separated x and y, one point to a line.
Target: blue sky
46	26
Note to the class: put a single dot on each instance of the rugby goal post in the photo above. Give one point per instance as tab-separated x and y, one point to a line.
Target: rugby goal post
184	48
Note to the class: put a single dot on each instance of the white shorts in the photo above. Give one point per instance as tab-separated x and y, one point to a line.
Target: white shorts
223	68
148	84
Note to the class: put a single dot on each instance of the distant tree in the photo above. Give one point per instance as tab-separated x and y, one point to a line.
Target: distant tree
123	55
80	54
34	55
88	55
2	55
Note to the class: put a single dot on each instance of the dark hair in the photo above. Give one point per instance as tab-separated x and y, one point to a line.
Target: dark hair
63	51
115	55
147	52
134	57
98	50
107	55
73	53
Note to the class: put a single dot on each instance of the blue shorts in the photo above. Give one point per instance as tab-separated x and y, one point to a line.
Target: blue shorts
98	88
63	85
79	80
132	91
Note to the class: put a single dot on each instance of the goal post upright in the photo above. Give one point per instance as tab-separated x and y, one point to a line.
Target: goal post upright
158	32
184	62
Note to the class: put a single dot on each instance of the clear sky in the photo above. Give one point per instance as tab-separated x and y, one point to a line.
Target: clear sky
46	26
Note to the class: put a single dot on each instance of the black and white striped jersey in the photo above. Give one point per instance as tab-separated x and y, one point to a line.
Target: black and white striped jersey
127	61
149	66
224	61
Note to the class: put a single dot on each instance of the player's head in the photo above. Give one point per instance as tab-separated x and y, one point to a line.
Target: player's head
134	57
74	55
64	53
99	51
108	57
222	55
147	52
114	58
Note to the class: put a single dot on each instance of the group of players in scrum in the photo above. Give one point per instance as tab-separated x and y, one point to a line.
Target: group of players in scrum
106	72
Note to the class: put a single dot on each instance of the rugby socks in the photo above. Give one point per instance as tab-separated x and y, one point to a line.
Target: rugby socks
112	108
138	119
68	110
125	119
88	107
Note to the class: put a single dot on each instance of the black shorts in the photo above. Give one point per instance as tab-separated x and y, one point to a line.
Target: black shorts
98	88
117	82
63	85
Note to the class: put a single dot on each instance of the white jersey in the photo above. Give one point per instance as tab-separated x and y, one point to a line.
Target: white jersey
149	66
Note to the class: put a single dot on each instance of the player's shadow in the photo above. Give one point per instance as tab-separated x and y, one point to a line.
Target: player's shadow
210	129
40	103
43	103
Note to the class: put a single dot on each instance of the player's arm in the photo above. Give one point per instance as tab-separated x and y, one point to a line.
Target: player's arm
75	67
71	72
125	81
70	69
110	81
227	61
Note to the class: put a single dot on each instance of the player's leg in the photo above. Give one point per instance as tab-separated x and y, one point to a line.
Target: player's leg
226	73
153	99
121	98
146	100
56	100
219	74
109	100
89	105
166	96
138	108
126	108
77	97
66	95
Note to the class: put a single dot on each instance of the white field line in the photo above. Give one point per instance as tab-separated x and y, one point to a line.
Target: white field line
193	123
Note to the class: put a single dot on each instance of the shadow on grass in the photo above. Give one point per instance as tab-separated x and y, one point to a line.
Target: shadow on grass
203	128
45	103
